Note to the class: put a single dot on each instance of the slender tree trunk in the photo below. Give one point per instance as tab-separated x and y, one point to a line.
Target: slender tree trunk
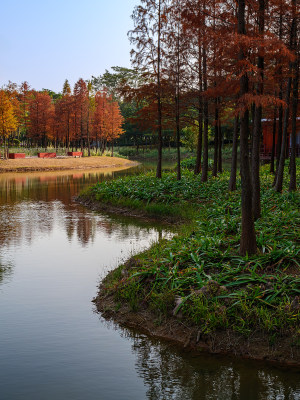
232	180
255	163
272	169
257	131
205	112
248	237
178	137
216	141
293	46
96	143
88	135
279	137
68	136
81	132
280	115
279	175
220	141
293	184
200	108
177	104
159	113
199	141
4	148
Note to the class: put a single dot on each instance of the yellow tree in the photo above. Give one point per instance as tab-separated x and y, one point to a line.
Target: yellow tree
8	120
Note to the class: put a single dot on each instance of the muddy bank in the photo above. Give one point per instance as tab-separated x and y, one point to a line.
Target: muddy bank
177	331
63	164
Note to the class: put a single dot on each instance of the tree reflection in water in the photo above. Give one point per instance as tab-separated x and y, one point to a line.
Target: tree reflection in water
171	374
33	204
34	216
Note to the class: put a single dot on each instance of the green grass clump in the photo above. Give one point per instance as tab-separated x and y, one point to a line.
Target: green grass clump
218	289
150	152
190	163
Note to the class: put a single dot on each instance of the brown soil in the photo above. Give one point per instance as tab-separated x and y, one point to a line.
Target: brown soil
68	163
174	330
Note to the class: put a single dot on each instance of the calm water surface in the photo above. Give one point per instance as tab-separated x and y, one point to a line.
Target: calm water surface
52	343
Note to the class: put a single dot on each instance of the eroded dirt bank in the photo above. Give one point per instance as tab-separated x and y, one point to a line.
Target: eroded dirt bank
175	330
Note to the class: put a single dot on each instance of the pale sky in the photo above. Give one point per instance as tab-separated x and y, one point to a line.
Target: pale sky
45	42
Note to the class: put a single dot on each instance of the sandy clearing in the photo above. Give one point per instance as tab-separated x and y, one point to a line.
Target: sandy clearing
69	163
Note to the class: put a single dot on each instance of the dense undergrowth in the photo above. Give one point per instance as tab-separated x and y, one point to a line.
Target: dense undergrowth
150	152
199	276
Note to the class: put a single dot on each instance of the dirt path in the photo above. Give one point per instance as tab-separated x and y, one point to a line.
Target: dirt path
68	163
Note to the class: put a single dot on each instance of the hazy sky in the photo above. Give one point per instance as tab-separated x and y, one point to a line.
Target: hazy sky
47	41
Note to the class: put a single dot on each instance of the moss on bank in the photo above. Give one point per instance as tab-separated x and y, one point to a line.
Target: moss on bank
198	278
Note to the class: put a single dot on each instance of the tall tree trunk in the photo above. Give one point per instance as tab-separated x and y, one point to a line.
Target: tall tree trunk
255	161
200	134
293	184
293	46
272	169
280	115
4	149
205	112
178	137
216	141
88	135
81	132
177	104
97	144
232	180
220	141
68	133
200	108
280	171
159	114
257	131
248	237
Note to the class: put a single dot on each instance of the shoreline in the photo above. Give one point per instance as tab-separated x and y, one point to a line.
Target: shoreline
106	207
63	164
206	299
173	330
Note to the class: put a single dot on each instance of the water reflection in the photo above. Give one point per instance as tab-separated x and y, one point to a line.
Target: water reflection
5	271
30	205
50	186
52	344
171	374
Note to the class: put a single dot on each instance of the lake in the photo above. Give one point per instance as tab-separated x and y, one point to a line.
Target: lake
53	344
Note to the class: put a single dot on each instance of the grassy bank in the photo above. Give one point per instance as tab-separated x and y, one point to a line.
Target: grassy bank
168	153
150	153
198	278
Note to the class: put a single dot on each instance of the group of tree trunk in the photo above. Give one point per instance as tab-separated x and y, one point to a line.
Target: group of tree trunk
206	62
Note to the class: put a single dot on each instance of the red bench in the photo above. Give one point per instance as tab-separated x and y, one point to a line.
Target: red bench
46	155
13	156
74	153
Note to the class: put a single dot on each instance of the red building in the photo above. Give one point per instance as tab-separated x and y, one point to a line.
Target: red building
266	148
